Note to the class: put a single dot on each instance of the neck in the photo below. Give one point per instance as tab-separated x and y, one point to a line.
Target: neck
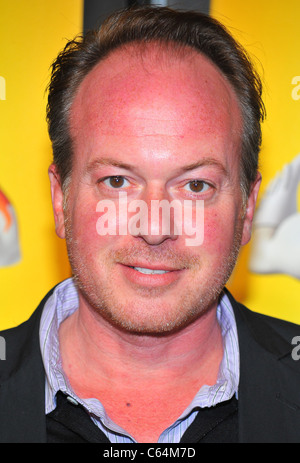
143	382
97	351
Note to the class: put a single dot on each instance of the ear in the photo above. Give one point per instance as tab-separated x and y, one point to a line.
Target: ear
250	209
57	201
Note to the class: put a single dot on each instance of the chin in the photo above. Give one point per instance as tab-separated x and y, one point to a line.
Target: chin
153	315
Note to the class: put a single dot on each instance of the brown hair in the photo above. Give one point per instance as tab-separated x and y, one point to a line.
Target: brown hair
146	24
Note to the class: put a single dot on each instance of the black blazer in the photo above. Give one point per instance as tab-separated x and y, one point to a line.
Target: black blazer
268	395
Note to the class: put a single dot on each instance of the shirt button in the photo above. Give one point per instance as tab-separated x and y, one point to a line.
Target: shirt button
73	401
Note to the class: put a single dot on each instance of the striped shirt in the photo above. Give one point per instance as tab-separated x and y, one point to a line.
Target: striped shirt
64	301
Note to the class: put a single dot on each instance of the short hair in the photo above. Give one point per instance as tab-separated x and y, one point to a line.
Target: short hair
164	25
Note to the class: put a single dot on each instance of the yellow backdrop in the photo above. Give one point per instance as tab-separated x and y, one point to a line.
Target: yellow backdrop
31	34
269	30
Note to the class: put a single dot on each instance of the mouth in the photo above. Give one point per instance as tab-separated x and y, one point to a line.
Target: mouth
150	271
150	276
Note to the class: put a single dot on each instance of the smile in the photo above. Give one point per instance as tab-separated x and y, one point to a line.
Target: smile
149	271
150	277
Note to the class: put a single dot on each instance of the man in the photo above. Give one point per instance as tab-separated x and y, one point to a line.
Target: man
144	344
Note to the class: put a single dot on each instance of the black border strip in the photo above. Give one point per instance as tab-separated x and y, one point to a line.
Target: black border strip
95	11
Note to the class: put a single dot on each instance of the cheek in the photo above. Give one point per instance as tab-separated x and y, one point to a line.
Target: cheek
83	228
219	233
84	218
94	227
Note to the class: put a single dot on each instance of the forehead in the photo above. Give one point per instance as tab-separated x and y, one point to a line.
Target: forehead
149	91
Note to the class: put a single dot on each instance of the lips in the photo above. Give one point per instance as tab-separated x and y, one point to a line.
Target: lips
149	271
147	275
146	267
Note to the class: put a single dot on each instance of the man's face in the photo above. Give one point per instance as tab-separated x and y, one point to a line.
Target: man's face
154	129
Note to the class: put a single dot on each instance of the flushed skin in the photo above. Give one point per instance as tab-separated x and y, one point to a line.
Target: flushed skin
129	110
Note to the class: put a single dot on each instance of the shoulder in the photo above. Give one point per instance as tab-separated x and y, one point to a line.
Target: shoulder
283	327
22	341
274	334
278	324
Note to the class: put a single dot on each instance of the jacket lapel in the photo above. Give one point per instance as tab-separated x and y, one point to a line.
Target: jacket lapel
23	412
22	384
269	389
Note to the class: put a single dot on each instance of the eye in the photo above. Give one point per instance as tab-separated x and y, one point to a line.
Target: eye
197	186
116	181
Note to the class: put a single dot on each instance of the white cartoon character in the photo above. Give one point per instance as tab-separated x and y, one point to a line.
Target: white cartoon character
276	230
9	239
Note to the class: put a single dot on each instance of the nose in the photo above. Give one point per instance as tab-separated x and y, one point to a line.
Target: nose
159	217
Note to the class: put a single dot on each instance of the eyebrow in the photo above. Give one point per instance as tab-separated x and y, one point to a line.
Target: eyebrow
107	161
203	163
